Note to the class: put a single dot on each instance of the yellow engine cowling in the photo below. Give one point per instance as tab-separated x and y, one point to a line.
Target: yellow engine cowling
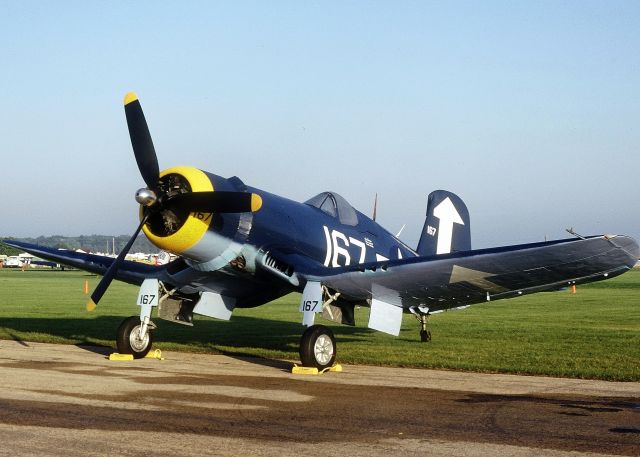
190	228
191	234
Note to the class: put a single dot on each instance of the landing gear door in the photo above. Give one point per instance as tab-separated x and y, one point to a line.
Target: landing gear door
148	296
311	302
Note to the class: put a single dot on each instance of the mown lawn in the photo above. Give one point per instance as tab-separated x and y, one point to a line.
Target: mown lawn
592	334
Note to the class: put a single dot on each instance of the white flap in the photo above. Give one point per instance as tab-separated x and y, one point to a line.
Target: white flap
385	317
215	305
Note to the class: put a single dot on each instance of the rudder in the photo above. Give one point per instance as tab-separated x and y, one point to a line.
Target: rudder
447	226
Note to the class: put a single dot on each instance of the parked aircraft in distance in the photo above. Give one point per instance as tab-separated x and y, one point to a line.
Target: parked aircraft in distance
240	247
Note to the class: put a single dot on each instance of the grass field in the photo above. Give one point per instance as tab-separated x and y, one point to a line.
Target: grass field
592	334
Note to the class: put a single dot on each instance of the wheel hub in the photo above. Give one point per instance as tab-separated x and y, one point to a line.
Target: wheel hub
323	349
138	344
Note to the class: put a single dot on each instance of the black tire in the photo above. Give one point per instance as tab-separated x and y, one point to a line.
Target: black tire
425	336
318	347
128	343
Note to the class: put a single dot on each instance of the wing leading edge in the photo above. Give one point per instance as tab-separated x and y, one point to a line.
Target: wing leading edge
450	281
247	293
132	272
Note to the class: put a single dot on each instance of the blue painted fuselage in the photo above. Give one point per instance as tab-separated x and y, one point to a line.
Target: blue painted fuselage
325	230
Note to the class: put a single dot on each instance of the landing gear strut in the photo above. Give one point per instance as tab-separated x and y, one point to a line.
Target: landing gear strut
422	314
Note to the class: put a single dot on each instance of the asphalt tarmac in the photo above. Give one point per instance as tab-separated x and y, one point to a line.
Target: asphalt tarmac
69	400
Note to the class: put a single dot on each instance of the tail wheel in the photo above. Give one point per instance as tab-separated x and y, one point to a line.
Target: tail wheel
128	340
318	347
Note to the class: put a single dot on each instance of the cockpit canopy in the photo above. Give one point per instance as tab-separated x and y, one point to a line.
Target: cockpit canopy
336	206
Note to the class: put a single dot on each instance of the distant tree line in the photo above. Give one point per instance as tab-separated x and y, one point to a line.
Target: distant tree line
6	250
88	243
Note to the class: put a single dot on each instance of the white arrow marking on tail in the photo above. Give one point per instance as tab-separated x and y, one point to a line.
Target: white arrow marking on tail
448	216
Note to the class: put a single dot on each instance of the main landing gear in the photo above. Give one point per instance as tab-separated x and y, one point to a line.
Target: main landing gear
317	344
134	337
318	347
135	334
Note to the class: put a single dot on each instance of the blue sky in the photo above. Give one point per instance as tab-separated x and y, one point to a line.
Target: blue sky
527	110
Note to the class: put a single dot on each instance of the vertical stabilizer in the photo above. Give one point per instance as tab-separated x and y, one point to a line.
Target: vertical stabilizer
447	227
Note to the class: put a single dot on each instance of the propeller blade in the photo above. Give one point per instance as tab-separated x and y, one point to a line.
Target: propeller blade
141	141
216	202
113	269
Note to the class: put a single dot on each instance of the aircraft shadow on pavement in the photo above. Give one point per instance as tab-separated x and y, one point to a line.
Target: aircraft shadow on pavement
206	335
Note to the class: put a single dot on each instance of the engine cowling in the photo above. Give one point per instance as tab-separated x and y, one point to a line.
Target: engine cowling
196	236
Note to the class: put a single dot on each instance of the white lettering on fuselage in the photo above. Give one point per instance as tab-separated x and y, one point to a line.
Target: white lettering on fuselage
361	245
338	245
339	250
327	236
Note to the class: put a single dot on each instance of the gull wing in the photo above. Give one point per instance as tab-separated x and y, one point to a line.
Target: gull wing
245	291
460	279
132	272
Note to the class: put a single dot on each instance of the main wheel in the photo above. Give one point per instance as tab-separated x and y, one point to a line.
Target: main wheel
318	347
128	339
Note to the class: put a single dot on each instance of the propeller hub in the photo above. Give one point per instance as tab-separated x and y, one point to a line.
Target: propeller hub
146	197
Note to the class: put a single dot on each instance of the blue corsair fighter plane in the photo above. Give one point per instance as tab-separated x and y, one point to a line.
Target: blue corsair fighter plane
241	247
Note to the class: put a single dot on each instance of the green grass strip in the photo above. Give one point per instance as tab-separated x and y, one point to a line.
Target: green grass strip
593	334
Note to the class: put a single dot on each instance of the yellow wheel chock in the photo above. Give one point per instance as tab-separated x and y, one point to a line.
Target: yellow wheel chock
118	356
156	354
337	368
